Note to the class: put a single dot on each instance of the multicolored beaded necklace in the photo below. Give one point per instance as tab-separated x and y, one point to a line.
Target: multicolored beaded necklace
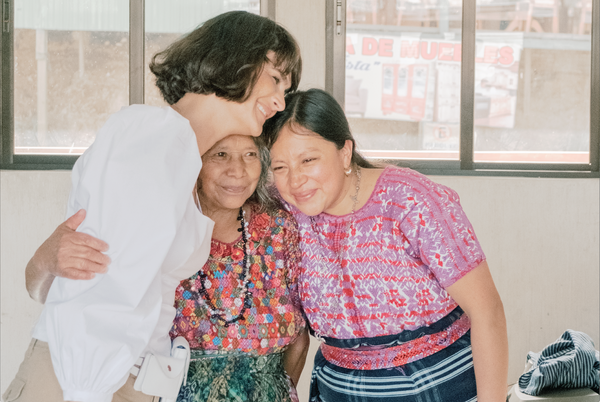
225	317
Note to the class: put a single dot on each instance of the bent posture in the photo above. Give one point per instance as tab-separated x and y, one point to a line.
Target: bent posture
393	278
136	181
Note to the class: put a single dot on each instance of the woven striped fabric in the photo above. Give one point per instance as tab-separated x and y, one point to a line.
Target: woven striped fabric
569	362
446	376
394	356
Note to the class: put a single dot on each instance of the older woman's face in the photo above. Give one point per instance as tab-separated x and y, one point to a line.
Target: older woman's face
230	173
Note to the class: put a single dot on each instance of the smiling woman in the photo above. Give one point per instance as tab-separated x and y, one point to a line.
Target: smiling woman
309	141
231	170
392	277
303	168
241	312
226	77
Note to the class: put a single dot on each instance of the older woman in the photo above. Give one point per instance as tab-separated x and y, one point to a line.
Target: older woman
241	311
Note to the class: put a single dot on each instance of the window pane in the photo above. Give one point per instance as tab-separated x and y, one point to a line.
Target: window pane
168	20
403	77
71	72
532	81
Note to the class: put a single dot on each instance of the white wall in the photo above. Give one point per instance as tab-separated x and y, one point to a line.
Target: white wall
32	204
540	236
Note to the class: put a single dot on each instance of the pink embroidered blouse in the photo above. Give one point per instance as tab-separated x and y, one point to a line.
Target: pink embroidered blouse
384	269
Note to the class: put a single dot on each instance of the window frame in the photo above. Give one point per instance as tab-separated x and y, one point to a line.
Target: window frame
334	83
10	161
465	165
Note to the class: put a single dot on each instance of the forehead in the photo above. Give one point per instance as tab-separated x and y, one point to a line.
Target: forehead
297	140
235	141
278	63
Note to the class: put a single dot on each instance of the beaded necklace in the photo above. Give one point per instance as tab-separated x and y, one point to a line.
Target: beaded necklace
225	317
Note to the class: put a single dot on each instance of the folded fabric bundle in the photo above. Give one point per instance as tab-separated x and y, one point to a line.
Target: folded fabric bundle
569	362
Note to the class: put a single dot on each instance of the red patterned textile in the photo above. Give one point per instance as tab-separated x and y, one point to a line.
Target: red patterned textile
388	357
275	316
385	268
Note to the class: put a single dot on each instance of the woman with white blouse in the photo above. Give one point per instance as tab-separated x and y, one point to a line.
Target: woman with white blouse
135	182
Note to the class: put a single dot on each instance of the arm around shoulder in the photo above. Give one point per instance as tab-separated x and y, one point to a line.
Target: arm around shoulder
136	184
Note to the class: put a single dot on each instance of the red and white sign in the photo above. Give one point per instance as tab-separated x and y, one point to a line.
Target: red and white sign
406	77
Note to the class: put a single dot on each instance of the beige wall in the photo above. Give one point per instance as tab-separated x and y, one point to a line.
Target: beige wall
306	21
541	240
540	236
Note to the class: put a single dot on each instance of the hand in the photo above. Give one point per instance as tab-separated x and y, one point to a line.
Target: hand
73	255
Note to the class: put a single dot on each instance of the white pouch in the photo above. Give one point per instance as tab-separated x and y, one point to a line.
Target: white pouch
163	375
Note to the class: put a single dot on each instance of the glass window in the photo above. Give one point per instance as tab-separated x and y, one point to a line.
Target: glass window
403	63
532	81
70	72
71	64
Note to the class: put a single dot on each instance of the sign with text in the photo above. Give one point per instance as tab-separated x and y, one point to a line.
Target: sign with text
406	77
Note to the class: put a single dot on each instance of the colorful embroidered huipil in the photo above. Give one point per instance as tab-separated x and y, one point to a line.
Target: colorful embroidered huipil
229	354
372	284
387	273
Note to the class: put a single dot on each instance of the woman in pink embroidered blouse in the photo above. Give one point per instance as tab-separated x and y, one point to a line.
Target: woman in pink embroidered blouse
393	278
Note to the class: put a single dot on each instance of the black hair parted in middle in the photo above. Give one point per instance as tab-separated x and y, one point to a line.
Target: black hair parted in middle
316	111
225	56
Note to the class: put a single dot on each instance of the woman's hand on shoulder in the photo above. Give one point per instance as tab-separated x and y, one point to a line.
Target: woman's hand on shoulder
67	254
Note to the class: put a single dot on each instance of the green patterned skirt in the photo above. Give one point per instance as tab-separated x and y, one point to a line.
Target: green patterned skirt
236	377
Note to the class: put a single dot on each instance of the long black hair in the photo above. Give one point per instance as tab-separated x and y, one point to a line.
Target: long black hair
319	112
225	56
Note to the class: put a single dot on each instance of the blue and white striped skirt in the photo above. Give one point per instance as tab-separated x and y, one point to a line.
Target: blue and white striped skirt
446	376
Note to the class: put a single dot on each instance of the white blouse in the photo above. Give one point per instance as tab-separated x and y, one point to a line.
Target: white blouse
136	183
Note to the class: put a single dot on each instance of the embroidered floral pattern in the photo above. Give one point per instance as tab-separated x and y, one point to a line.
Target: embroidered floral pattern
274	256
411	240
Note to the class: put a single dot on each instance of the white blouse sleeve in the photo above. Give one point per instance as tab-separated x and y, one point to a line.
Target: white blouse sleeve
135	182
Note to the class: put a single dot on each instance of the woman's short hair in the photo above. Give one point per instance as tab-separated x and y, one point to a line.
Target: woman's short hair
316	111
225	56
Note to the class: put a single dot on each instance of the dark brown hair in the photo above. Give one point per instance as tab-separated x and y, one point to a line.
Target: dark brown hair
319	112
225	56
